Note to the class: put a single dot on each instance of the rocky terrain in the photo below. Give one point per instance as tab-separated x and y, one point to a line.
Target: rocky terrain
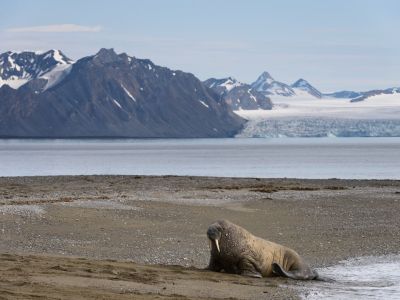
118	237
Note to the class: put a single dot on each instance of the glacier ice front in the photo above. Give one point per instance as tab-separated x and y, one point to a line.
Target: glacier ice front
321	127
307	116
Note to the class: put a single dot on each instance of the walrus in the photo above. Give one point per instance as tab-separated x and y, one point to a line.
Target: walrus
237	251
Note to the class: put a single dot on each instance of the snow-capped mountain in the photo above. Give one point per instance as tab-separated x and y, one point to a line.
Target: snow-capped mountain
108	95
268	86
303	86
361	96
18	68
365	95
223	85
242	96
238	95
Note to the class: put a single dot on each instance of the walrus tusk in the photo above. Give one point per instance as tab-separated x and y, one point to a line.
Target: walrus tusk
209	244
217	244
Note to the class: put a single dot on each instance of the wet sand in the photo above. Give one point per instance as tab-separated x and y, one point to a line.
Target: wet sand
115	237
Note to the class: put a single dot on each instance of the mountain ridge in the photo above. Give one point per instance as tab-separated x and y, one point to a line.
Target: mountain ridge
115	95
18	68
269	87
238	95
53	65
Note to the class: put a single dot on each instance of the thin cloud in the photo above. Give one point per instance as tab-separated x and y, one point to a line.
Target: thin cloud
56	28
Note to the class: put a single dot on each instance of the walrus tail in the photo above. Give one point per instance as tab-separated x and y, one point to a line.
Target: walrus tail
306	274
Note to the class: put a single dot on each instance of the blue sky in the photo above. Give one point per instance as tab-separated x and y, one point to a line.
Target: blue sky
336	45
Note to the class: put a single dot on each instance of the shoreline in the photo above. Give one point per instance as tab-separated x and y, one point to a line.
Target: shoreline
160	221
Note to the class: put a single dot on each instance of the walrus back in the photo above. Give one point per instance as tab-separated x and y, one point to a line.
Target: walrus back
266	253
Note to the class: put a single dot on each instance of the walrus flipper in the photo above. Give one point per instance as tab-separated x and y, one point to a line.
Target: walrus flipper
251	274
248	268
214	265
306	274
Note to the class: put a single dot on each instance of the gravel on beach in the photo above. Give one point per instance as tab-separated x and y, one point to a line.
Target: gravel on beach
113	237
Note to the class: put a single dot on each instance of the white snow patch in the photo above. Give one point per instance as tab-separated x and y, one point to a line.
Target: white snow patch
11	61
14	82
56	75
205	104
253	98
58	57
149	66
127	92
117	103
229	84
173	74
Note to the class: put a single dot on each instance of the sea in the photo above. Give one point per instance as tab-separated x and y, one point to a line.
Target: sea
362	278
347	158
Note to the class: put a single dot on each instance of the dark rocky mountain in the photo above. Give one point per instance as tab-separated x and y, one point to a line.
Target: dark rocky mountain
238	95
267	85
111	95
305	86
344	94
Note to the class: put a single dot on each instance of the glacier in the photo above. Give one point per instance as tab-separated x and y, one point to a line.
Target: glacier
302	116
321	127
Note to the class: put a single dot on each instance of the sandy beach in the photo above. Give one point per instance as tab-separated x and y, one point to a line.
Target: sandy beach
124	237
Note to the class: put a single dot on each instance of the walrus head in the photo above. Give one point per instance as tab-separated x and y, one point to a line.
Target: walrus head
214	234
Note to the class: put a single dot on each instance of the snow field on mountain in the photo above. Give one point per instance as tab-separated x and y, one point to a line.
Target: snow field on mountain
56	75
375	107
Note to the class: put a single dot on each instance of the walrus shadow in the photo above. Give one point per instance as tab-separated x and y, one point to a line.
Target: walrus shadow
325	279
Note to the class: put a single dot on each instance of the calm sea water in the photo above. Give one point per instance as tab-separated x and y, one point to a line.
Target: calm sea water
300	158
359	279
